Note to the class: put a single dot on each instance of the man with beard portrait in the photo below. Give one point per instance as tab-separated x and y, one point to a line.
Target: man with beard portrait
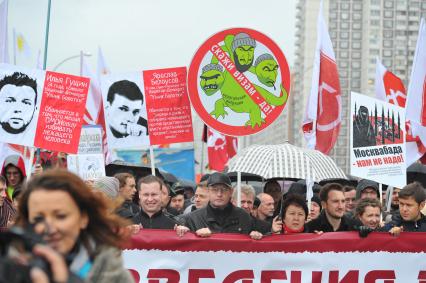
18	102
243	50
363	131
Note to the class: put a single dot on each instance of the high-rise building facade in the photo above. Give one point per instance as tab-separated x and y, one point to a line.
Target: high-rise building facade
360	32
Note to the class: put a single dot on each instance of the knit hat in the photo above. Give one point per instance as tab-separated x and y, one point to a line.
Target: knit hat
212	66
242	39
317	200
108	185
263	57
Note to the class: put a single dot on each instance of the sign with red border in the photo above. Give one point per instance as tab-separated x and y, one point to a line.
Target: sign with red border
239	81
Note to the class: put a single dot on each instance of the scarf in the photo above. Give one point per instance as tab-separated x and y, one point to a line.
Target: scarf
288	230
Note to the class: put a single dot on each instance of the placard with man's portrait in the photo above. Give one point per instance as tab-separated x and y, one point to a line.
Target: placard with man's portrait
20	96
125	110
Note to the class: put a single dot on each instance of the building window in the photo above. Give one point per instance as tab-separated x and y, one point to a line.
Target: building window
387	63
388	23
345	6
356	64
343	64
374	22
355	83
356	35
344	54
344	35
333	15
343	73
357	6
375	2
356	55
375	12
387	53
356	45
387	33
388	14
387	43
356	74
356	16
344	16
344	83
344	25
374	52
388	4
356	25
344	44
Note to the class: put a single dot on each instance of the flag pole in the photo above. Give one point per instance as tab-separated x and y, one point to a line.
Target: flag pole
152	158
46	45
14	46
238	174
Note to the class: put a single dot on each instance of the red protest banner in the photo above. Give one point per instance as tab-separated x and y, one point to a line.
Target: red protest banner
169	111
61	112
223	258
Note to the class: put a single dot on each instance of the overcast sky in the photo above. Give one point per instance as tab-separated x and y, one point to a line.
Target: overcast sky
143	34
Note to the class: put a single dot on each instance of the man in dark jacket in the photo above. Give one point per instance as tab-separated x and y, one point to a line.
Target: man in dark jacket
411	201
127	190
332	217
219	216
151	214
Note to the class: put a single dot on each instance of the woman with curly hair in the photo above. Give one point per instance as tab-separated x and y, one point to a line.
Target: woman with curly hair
83	235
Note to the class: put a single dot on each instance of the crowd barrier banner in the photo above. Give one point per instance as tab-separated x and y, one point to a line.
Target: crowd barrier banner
157	256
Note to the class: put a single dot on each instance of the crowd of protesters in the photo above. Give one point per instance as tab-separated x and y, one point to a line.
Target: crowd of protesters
86	221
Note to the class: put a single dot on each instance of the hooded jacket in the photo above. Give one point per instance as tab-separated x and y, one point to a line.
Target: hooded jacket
19	163
363	184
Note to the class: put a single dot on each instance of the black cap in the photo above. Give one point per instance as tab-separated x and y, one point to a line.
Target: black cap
219	178
177	189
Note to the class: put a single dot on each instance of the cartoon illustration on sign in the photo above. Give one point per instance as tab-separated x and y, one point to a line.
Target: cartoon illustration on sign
235	75
240	48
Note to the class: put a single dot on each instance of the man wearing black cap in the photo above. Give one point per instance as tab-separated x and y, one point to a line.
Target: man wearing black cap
177	199
219	216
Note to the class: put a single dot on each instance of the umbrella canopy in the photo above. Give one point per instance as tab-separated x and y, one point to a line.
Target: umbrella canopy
285	161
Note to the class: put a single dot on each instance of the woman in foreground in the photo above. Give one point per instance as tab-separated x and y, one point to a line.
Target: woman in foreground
83	237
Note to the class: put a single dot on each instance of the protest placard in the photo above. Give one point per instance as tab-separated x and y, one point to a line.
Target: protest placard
377	143
169	110
90	140
87	166
238	81
61	112
41	109
146	108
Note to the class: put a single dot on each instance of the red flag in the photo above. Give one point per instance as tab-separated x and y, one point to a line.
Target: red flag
389	87
322	121
220	149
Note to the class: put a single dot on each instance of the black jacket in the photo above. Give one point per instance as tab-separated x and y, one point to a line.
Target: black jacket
229	220
414	226
322	224
128	210
157	221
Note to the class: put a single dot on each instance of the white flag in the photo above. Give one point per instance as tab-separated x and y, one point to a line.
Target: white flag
4	52
21	45
416	101
103	69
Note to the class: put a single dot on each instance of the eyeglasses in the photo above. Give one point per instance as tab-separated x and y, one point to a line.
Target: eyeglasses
219	188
